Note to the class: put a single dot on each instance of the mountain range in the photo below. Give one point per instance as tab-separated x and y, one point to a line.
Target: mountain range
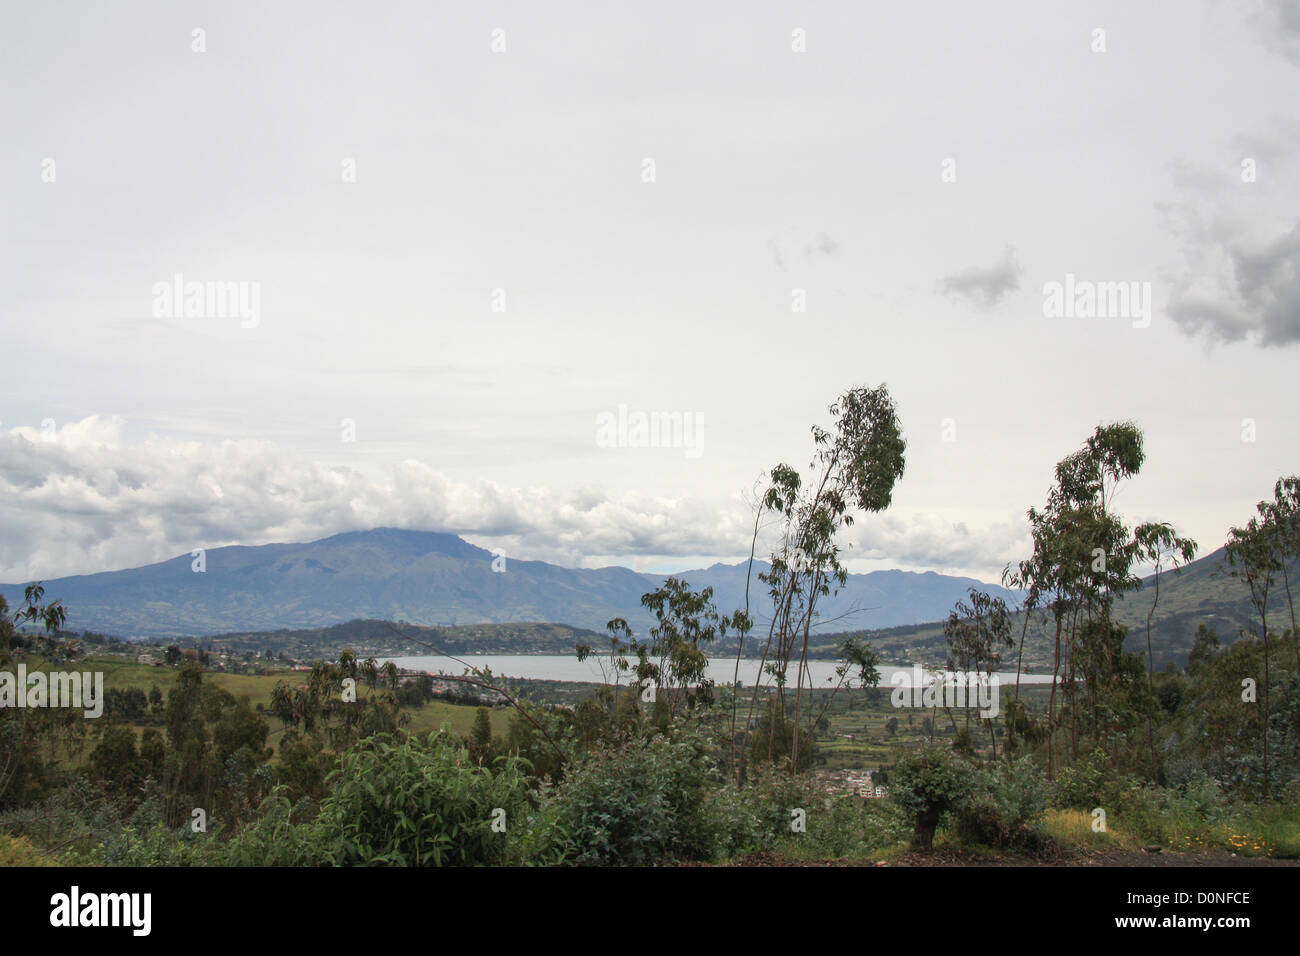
430	578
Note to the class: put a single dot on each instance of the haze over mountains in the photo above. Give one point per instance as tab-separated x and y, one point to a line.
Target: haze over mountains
431	578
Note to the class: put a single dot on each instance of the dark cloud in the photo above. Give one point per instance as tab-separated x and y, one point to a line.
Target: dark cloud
1268	279
985	286
1278	22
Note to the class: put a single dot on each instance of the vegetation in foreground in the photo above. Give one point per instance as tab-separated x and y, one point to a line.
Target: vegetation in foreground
661	766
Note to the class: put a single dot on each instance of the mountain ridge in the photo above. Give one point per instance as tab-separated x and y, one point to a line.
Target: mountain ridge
431	578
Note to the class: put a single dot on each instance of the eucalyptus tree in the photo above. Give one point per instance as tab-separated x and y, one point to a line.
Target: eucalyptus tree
674	659
1158	544
855	466
22	772
1084	557
1252	556
976	634
1283	520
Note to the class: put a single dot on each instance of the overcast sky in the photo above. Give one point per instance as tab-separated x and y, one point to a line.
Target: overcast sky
474	228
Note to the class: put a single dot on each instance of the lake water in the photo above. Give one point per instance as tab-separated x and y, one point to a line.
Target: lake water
569	668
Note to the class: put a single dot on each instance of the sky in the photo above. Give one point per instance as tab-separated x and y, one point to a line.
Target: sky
459	237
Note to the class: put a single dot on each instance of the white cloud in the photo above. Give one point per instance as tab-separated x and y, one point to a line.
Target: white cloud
81	499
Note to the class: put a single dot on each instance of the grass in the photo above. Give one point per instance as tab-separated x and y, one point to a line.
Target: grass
1254	831
123	674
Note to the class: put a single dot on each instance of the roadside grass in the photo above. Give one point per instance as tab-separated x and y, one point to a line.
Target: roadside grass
19	851
1073	828
1254	831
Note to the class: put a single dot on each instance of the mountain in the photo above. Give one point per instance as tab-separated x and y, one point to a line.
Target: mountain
1203	592
433	579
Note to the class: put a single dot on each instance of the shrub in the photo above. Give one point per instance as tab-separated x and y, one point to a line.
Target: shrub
273	839
1006	807
929	782
639	804
159	845
1085	784
419	803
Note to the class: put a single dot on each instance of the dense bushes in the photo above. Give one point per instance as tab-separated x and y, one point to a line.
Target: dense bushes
1005	806
639	804
997	806
660	800
420	803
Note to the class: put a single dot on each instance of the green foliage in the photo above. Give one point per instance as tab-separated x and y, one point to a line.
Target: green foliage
329	704
639	804
674	660
420	803
275	838
855	466
1084	784
1006	806
159	845
773	738
929	782
836	825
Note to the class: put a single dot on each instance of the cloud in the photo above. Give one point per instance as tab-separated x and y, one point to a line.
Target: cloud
985	286
928	541
823	245
1240	275
820	246
81	499
1278	22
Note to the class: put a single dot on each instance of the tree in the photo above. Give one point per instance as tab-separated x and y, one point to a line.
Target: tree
976	634
1252	555
116	761
855	467
1083	558
673	661
1283	523
480	738
22	772
927	783
1157	544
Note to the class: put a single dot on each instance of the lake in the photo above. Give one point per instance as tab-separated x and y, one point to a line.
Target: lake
569	668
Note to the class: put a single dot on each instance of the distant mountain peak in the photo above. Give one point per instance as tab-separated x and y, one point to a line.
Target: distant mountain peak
431	578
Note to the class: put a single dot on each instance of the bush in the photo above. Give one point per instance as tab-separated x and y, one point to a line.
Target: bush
643	803
1006	807
1084	784
419	803
274	839
928	783
159	845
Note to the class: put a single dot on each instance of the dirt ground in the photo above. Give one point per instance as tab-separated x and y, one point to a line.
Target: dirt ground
1073	858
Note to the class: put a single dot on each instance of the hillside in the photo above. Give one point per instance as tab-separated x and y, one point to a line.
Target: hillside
429	579
1203	592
